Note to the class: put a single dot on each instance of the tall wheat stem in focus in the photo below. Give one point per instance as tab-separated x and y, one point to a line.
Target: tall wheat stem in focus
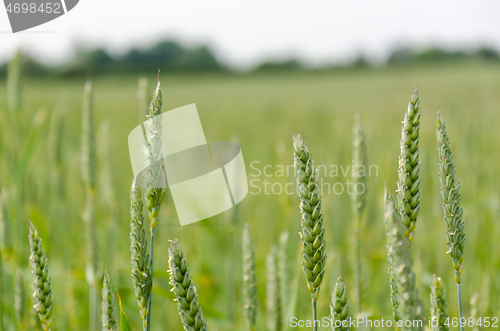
453	212
89	179
155	177
360	165
313	245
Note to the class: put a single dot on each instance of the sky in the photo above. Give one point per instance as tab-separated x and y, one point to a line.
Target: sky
245	33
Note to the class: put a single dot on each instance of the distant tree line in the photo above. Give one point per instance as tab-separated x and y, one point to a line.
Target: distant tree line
169	56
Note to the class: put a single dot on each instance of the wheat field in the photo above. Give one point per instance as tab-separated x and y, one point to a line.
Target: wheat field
40	173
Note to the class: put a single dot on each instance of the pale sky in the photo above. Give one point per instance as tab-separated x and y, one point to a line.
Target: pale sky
243	33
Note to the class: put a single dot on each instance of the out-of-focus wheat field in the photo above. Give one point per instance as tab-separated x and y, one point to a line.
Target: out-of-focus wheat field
261	112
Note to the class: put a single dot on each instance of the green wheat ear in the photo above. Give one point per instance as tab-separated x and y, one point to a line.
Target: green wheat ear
108	309
41	279
453	212
450	194
139	257
339	307
313	245
392	238
184	290
407	304
273	302
439	311
249	279
409	168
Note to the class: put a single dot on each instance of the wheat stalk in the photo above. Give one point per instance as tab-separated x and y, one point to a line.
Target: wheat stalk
142	95
89	179
154	176
339	307
391	233
249	279
55	153
139	257
184	290
19	299
5	226
474	309
439	312
41	279
409	168
453	212
14	73
273	303
108	309
360	164
313	245
283	273
407	304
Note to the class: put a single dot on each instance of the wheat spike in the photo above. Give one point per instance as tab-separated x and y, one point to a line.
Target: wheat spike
408	303
339	307
450	194
409	168
273	303
41	279
153	158
139	257
19	298
439	313
313	245
108	309
184	290
249	279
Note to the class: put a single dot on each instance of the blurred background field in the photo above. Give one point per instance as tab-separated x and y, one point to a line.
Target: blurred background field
261	110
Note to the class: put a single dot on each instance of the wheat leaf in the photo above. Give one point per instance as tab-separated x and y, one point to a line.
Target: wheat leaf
124	326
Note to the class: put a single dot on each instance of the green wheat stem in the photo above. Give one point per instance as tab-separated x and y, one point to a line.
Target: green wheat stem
358	261
460	306
314	312
151	252
89	179
360	164
249	279
2	309
14	74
